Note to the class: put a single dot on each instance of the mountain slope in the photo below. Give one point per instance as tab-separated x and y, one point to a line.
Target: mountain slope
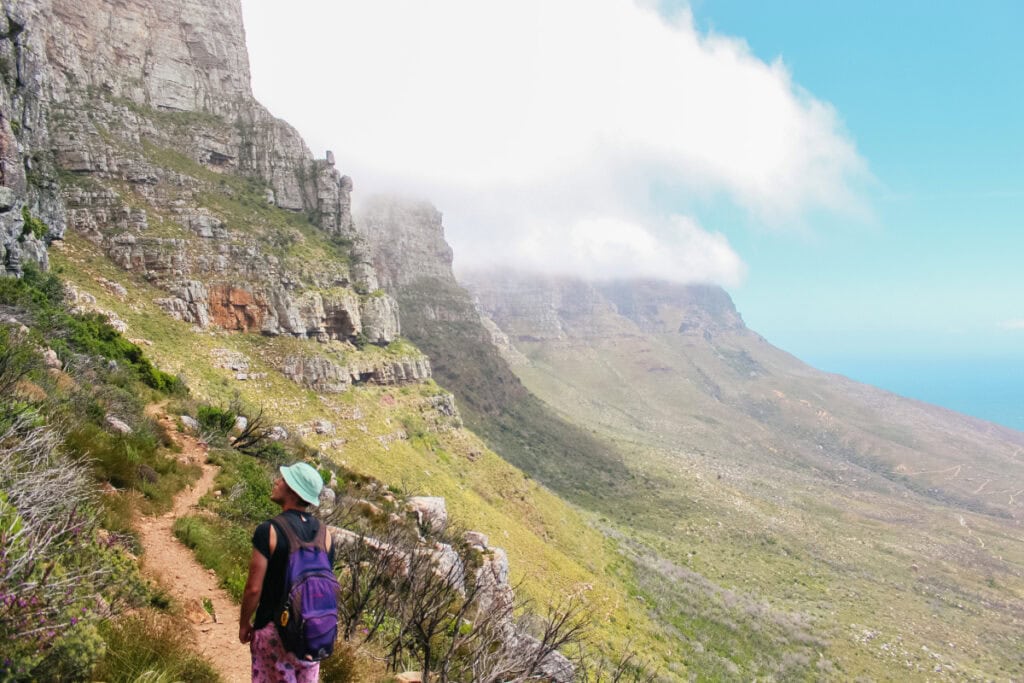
772	514
178	208
778	523
406	240
888	526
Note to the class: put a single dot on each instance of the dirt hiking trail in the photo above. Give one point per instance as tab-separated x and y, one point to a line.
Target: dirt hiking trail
169	562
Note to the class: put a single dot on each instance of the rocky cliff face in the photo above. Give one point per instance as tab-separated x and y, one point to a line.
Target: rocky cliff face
406	239
30	209
414	262
532	307
472	357
145	136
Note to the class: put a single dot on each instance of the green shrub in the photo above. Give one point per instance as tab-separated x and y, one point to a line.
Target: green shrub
73	656
41	295
215	423
55	571
32	225
17	360
274	453
132	461
246	483
151	645
117	512
221	546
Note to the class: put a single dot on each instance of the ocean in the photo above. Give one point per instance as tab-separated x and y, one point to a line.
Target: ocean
991	389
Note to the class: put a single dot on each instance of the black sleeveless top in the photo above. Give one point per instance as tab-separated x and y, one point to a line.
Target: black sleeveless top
306	527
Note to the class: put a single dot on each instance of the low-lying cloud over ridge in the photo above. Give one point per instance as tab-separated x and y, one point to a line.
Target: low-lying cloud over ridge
540	127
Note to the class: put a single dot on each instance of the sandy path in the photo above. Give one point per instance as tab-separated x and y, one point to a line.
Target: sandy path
172	564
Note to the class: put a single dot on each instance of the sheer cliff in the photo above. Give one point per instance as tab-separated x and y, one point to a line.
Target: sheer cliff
140	132
406	240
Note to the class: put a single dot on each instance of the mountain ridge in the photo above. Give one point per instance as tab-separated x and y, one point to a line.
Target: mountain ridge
727	432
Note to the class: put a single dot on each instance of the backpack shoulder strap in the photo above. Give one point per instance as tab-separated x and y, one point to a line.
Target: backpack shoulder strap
285	525
321	537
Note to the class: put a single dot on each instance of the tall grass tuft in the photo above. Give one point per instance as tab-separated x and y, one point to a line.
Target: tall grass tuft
152	647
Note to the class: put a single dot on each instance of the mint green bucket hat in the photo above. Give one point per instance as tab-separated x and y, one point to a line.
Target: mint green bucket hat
304	480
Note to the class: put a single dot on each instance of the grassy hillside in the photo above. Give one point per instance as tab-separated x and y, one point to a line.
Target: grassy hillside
496	405
391	434
79	459
794	524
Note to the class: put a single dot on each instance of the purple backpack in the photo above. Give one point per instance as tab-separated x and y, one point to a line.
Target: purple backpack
307	618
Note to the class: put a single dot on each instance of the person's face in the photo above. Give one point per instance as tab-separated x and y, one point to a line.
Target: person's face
279	491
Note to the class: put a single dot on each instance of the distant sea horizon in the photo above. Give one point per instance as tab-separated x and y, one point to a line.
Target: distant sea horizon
990	389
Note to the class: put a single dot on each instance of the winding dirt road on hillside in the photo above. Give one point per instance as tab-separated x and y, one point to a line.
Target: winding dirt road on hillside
169	562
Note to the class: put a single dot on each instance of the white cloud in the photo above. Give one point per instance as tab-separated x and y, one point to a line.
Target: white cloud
1012	325
538	126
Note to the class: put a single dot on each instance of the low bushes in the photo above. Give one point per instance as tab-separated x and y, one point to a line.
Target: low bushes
215	423
66	572
41	297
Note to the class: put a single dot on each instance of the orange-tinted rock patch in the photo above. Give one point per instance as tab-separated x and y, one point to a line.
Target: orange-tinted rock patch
235	308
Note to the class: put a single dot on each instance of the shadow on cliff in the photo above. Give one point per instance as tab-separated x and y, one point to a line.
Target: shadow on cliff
439	317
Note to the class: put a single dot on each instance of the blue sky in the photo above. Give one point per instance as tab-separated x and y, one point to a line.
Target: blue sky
932	95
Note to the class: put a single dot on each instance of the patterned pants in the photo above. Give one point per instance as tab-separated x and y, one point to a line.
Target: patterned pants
271	663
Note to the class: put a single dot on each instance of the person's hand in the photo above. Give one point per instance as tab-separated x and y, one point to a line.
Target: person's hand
244	633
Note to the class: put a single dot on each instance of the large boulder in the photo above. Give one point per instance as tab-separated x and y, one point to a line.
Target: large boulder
380	318
430	511
118	425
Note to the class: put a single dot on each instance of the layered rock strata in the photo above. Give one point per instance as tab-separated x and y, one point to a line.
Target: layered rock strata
142	116
31	212
326	376
533	307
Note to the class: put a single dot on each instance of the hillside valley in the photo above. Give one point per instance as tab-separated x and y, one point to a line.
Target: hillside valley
769	508
891	526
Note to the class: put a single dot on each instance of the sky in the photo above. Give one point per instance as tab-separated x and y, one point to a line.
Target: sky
852	173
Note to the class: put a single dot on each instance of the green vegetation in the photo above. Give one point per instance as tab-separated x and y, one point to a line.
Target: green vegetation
780	546
32	225
152	647
220	546
65	561
215	423
41	296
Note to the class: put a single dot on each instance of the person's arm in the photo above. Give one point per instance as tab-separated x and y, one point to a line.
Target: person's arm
253	589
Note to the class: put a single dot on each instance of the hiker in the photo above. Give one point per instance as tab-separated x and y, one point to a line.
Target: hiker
295	490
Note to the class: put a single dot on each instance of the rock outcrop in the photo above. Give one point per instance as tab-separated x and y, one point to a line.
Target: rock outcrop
323	375
31	213
409	253
137	124
430	512
406	239
532	307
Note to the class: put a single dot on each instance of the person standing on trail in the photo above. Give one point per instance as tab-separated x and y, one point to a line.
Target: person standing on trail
295	490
